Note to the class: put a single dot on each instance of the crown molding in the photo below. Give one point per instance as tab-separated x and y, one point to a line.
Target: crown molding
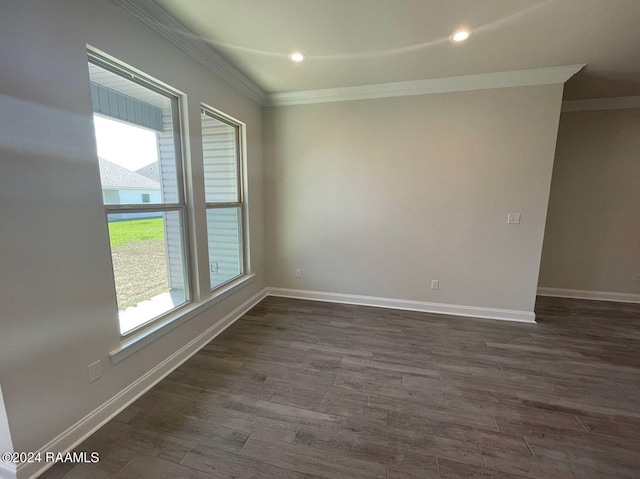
482	81
152	15
594	104
149	13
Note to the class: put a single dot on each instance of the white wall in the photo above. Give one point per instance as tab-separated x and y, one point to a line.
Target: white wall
111	196
379	197
132	197
592	239
135	196
58	298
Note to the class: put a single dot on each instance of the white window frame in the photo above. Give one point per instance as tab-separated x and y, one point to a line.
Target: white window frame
240	128
180	206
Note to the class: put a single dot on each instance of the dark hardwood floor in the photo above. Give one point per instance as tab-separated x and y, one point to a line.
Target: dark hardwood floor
299	389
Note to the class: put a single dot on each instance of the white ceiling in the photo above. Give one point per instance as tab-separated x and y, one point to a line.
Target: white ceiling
361	42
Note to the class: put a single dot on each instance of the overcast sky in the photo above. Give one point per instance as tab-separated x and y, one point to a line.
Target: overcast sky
124	144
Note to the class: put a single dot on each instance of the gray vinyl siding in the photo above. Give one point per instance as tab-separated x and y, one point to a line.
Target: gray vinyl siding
119	106
219	148
224	226
171	194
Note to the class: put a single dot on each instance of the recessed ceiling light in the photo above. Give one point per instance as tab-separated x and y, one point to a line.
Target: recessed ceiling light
461	35
297	57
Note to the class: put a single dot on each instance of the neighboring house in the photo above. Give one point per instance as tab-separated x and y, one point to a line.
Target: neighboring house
151	171
123	186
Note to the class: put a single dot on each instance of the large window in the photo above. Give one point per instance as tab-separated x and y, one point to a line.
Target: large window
221	140
139	147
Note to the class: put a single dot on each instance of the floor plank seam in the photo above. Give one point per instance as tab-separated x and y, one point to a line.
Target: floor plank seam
186	453
528	446
484	459
580	422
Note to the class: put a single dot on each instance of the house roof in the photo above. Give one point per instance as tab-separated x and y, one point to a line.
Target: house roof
150	171
116	176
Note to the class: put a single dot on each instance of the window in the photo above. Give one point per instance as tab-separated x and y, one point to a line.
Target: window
139	149
221	140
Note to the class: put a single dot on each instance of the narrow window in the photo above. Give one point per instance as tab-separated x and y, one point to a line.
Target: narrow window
139	149
221	140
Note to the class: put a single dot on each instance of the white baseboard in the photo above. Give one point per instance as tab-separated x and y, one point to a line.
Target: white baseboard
439	308
593	295
107	411
8	471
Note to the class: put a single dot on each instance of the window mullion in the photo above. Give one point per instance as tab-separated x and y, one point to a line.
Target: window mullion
133	208
224	205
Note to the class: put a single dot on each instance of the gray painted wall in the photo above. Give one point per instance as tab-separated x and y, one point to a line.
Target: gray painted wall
379	197
592	239
58	298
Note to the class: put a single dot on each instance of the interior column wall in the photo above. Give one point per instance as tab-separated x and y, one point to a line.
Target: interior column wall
592	239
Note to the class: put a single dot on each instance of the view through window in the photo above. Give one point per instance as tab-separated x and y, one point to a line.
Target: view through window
223	193
137	135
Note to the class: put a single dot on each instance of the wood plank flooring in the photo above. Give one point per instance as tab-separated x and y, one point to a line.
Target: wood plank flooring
300	389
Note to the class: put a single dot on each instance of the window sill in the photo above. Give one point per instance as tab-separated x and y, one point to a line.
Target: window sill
146	336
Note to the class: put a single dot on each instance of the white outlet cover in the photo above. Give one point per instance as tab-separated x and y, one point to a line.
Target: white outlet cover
95	371
435	284
513	218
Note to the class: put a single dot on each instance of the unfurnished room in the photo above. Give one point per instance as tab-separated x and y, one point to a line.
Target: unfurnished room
319	239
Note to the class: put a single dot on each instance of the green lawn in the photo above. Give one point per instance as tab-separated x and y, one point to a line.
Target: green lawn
132	231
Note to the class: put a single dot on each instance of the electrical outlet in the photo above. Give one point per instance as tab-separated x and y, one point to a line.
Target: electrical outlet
95	371
435	284
213	267
513	218
637	278
298	273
